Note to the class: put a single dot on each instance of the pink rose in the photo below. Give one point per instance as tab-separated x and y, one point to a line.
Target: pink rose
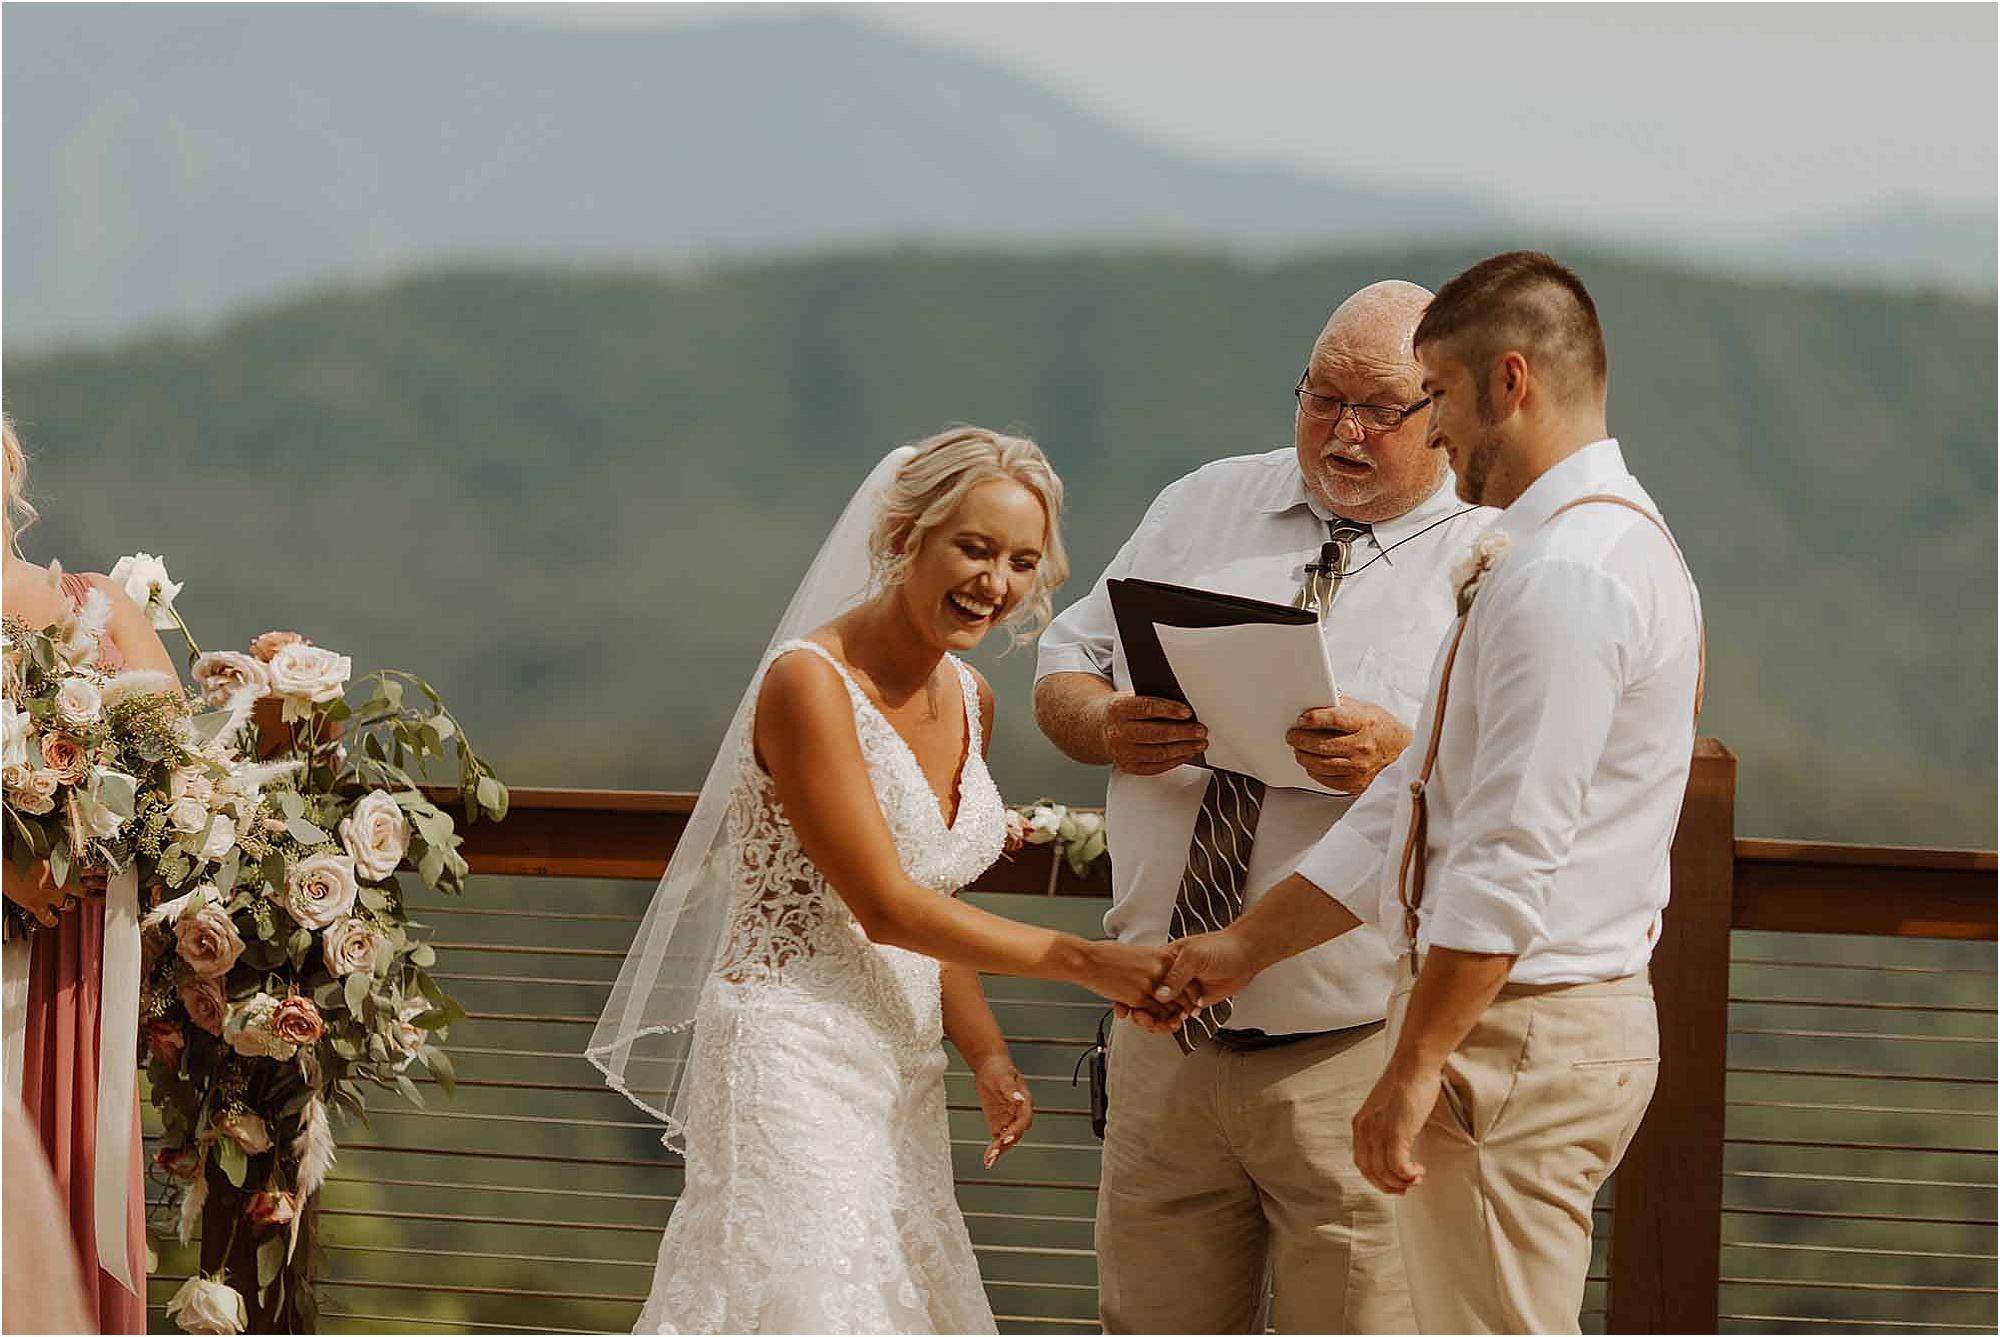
320	889
221	674
208	939
265	647
350	945
297	1021
272	1209
165	1041
246	1129
65	757
206	1006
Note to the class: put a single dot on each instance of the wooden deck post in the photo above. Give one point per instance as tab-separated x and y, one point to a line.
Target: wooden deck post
1666	1218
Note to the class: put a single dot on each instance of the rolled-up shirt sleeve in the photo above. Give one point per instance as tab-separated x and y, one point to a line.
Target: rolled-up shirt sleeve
1347	862
1554	644
1084	636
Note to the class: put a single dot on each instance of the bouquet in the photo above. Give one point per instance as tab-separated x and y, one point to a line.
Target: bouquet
88	751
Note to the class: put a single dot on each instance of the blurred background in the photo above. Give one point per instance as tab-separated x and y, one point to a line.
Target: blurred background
534	348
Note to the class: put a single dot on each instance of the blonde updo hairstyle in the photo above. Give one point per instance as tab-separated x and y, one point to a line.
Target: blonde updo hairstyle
931	484
20	513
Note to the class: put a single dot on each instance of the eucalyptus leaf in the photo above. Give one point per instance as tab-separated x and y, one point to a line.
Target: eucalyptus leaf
493	797
424	955
235	1167
291	803
59	864
409	1090
225	876
270	1259
441	1068
355	991
305	832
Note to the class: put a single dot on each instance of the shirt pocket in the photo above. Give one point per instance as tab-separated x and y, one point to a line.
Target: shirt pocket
1393	678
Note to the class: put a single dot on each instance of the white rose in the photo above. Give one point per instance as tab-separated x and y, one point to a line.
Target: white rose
221	839
188	815
1087	823
15	775
376	834
78	702
304	674
144	578
38	795
321	889
202	1305
18	726
247	1029
406	1035
1044	823
191	782
351	947
222	674
99	820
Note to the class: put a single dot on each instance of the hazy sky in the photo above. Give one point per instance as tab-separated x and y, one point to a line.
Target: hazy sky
1650	118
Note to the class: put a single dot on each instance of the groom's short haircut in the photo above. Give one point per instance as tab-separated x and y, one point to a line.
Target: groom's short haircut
1525	301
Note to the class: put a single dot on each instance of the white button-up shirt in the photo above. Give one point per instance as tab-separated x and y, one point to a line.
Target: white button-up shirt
1567	737
1248	526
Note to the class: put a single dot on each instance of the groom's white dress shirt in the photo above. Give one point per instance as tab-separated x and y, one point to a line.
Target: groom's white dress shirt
1248	526
1567	738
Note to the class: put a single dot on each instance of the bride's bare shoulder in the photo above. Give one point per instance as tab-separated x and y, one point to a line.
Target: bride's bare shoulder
803	699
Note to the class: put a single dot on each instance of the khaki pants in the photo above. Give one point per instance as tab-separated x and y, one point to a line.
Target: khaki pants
1223	1169
1537	1107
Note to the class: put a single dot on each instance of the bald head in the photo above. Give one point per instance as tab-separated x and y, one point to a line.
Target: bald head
1372	331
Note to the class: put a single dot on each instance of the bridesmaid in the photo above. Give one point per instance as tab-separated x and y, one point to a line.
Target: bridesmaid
62	1028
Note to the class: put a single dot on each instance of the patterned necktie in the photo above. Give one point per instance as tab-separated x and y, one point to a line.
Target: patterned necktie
1211	890
1335	557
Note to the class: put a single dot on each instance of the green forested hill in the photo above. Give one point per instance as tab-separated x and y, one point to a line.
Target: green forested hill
577	500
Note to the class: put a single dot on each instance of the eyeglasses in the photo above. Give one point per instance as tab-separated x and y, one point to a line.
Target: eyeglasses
1371	417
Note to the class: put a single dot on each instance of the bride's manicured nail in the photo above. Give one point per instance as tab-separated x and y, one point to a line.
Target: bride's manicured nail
1020	1095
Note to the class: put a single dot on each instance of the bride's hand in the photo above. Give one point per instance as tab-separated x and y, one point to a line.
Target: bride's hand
1008	1106
1123	973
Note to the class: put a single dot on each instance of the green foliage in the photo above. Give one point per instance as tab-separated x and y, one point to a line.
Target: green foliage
581	500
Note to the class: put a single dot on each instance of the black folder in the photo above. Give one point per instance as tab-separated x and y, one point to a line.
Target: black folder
1137	605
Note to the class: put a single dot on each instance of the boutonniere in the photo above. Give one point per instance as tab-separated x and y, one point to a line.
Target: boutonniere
1487	552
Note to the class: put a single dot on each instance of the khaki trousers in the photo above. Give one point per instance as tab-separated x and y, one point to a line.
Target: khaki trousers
1537	1107
1223	1169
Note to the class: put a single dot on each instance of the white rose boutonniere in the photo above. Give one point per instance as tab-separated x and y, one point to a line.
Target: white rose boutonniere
1488	551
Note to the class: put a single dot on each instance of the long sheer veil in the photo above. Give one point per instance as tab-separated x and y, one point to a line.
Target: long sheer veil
645	1032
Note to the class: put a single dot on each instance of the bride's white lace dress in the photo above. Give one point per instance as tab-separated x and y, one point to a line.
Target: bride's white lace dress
819	1176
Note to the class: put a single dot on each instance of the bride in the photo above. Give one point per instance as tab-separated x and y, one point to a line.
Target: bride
808	934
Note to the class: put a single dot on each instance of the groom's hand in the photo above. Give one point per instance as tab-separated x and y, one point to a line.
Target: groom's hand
1206	968
1148	735
1346	746
1387	1124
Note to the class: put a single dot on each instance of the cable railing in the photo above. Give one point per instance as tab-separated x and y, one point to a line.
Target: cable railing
1819	1154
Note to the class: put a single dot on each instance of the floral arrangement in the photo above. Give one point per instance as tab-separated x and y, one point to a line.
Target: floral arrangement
1488	551
1081	834
281	969
82	747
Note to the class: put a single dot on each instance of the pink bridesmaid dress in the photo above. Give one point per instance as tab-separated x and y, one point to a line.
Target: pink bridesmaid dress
59	1085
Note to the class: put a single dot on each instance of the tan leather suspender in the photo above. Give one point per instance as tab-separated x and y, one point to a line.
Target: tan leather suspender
1410	889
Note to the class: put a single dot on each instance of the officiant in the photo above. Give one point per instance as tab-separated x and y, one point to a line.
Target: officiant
1227	1158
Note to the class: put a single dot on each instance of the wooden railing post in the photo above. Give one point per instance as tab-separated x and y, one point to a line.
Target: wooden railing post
1666	1216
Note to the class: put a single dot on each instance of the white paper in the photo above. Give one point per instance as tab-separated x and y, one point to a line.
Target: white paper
1249	684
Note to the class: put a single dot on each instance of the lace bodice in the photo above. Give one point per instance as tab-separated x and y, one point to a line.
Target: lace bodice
819	1193
784	913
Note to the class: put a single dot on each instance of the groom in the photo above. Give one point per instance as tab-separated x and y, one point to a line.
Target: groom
1230	1164
1517	856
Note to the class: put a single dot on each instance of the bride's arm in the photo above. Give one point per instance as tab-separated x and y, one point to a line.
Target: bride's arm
805	739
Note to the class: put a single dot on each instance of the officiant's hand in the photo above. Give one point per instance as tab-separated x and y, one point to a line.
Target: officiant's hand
1346	746
1148	735
1387	1124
